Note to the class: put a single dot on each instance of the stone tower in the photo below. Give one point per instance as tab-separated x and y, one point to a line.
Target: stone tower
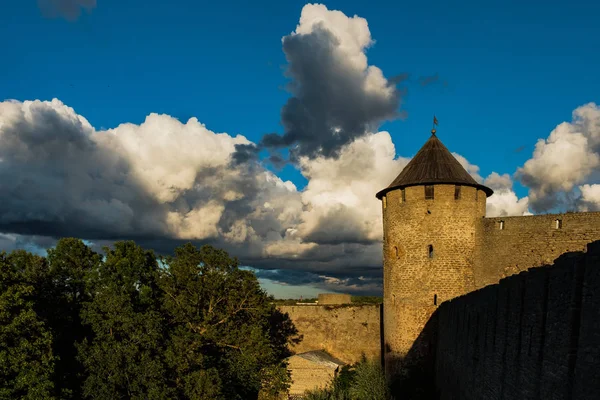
432	218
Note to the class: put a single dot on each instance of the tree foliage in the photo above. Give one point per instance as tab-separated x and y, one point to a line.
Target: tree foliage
64	292
364	380
26	357
123	357
222	343
128	326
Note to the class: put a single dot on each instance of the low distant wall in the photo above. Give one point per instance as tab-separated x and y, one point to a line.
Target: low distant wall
344	331
535	335
334	298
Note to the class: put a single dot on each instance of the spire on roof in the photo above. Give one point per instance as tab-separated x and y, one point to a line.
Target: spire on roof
433	164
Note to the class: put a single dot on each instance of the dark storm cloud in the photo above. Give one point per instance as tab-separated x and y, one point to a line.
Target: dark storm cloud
244	153
330	105
340	225
59	177
163	183
56	181
290	277
68	9
34	244
277	160
359	285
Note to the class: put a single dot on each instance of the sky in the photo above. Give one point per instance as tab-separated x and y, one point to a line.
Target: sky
266	128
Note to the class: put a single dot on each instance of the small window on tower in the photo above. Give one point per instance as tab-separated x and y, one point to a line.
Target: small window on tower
558	224
435	299
457	192
428	192
403	195
384	199
396	251
501	225
430	251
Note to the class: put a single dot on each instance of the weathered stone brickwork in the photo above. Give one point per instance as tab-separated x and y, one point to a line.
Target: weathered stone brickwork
530	241
429	250
310	373
535	335
343	331
438	245
334	298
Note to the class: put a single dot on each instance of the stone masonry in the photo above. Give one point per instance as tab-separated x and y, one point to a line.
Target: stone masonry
439	245
344	331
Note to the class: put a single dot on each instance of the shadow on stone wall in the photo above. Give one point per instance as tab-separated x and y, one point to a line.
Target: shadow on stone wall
416	382
535	335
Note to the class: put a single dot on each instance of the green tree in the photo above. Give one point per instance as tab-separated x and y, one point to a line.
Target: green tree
64	291
124	357
26	358
227	340
369	382
364	380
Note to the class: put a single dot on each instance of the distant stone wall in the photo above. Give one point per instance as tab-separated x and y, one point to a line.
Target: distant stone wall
535	335
308	375
344	331
530	241
334	298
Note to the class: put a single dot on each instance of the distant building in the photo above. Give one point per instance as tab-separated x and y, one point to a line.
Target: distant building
312	370
334	298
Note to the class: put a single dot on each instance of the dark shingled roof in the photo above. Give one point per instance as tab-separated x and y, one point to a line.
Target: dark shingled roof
433	164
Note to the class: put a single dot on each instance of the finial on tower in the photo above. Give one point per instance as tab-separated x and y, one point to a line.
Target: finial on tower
435	122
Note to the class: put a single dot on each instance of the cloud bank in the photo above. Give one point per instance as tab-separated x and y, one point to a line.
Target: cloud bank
336	95
564	163
164	182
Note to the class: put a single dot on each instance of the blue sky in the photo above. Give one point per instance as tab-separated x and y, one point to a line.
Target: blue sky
509	71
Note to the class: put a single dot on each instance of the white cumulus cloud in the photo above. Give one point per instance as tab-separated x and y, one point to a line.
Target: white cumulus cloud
569	157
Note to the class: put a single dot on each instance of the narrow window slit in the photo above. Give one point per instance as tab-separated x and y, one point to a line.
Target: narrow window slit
428	192
457	192
430	251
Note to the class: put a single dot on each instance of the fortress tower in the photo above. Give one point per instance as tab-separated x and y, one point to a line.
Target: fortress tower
432	221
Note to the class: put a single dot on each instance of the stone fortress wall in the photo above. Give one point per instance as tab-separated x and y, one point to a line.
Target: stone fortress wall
535	335
509	245
439	246
344	331
334	298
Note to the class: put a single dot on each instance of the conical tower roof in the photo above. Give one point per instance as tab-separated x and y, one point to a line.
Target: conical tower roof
433	164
